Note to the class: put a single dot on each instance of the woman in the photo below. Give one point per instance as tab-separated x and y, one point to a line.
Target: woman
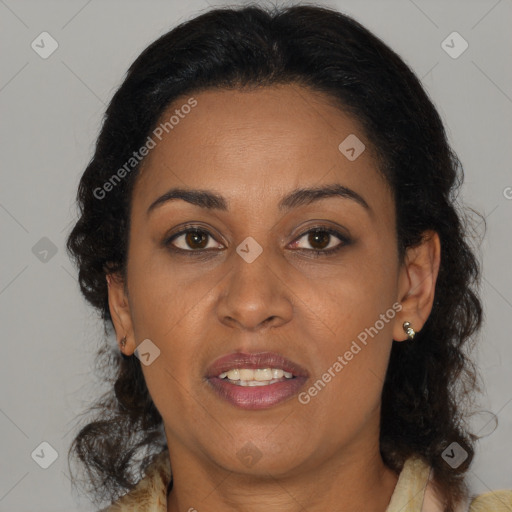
269	223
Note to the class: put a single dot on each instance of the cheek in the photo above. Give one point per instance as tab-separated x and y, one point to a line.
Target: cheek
345	298
344	392
165	297
349	319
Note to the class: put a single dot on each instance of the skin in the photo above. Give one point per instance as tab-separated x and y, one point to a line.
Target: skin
254	147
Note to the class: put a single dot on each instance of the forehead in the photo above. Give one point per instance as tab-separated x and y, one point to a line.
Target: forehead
258	143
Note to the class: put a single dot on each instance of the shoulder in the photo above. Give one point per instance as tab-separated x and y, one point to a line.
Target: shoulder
416	491
150	493
494	501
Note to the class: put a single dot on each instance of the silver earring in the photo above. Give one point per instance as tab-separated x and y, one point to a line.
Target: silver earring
123	342
409	330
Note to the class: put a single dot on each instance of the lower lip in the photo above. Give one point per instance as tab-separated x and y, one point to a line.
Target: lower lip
256	397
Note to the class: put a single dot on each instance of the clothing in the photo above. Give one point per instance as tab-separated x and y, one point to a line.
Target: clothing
413	492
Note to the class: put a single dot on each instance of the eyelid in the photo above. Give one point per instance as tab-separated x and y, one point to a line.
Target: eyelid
186	228
344	239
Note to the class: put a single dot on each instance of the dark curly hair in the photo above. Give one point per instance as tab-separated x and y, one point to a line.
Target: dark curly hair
430	382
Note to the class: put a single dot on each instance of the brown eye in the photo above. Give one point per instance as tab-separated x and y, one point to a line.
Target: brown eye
322	240
193	240
319	239
196	239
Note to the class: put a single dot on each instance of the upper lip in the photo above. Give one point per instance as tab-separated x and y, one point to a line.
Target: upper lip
253	361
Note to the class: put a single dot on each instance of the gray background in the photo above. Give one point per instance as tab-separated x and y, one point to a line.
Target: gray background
51	111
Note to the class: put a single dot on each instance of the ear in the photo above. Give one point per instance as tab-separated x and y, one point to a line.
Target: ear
417	283
120	313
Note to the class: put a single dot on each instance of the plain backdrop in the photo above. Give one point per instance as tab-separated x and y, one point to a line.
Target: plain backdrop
51	110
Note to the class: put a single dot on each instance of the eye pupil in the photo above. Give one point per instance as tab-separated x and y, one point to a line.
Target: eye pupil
196	239
319	237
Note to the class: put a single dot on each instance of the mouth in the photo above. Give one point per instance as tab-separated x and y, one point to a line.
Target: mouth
255	381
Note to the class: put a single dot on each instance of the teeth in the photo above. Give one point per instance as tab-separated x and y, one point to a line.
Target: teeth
232	375
245	374
256	377
265	374
249	383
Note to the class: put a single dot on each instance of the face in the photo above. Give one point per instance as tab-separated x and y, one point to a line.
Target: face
260	267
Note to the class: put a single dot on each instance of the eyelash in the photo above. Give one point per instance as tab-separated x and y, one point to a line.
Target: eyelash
313	252
344	241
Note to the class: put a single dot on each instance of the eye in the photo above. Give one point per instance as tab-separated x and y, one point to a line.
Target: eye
193	240
322	240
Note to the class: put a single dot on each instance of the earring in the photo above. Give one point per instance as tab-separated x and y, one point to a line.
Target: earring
409	330
123	342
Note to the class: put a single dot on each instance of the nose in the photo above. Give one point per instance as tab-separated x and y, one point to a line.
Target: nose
255	295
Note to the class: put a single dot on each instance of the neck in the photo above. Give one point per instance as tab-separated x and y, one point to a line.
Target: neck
347	482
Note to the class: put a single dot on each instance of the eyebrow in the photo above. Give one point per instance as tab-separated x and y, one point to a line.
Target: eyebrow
299	197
